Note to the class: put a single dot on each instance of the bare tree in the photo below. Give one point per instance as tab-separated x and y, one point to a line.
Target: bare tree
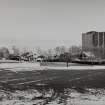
4	52
57	50
62	49
75	49
39	51
50	53
16	50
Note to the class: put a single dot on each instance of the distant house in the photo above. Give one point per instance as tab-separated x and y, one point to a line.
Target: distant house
87	55
40	58
28	56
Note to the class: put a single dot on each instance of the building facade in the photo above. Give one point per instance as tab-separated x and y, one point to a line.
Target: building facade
94	42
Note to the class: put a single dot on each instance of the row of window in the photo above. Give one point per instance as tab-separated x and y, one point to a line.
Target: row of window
101	38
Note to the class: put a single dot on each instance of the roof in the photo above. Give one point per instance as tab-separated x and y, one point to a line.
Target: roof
88	54
91	32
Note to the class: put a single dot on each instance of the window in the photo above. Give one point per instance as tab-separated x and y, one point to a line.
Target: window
104	38
95	39
100	38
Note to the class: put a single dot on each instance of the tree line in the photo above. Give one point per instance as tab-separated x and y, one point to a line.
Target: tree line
59	53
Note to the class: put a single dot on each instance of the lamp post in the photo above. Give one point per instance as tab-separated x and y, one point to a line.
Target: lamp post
67	59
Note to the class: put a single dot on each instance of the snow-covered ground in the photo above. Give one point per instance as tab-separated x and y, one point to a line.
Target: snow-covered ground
34	97
88	67
25	66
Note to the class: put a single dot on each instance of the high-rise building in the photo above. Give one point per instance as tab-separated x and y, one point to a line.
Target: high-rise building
94	42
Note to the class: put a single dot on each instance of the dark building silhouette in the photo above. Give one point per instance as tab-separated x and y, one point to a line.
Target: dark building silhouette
94	42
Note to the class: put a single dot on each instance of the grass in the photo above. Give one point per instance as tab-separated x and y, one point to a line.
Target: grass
57	79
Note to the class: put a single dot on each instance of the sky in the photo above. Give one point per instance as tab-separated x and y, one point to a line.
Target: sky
49	23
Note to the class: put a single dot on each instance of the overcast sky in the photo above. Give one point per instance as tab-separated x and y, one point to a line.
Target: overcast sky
49	23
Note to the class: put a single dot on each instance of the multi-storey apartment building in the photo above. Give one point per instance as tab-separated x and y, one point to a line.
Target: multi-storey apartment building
94	42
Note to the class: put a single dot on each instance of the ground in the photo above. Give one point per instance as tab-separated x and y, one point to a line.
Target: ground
52	85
